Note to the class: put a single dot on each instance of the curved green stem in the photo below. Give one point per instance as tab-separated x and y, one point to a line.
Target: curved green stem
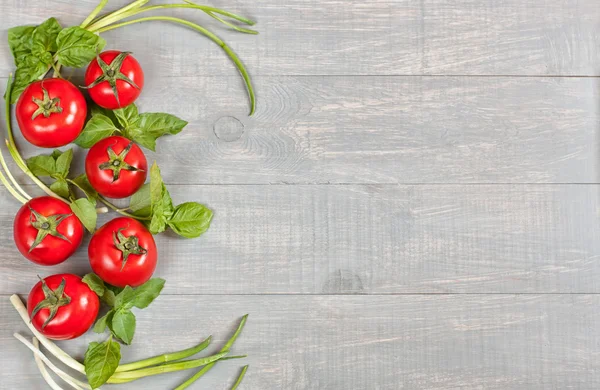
240	378
207	368
205	32
94	13
121	211
167	357
208	10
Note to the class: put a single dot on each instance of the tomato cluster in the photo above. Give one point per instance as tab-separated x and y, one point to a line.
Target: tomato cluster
52	113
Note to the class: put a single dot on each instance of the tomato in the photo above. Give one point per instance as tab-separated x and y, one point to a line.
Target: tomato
123	252
116	167
62	306
46	231
114	79
51	113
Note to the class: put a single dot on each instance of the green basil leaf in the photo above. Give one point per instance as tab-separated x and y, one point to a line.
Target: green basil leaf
151	126
125	299
123	325
44	40
97	128
60	188
147	292
28	71
97	110
63	162
114	289
140	202
102	322
160	201
156	185
42	165
109	297
127	116
94	283
101	361
84	185
20	41
146	140
190	219
86	212
77	46
56	154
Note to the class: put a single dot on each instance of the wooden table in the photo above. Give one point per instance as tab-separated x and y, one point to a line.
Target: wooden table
413	205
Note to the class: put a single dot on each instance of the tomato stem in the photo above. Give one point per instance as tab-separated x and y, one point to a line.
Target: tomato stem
207	368
238	63
121	211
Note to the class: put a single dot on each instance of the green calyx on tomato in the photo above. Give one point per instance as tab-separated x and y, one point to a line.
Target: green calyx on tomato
46	226
47	106
127	245
54	299
112	73
116	162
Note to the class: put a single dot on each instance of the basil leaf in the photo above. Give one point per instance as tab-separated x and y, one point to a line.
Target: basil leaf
190	219
102	322
151	126
146	140
97	128
60	188
125	299
147	292
63	162
123	325
19	41
28	71
110	114
86	212
127	116
44	40
109	297
160	201
42	165
140	202
114	289
84	185
77	46
156	185
94	283
101	360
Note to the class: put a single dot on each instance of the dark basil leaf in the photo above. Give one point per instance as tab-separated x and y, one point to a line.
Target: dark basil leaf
123	325
20	41
190	219
97	128
77	46
28	71
125	299
44	40
101	360
127	116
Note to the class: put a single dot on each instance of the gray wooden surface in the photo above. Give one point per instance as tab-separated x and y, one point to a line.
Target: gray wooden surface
413	206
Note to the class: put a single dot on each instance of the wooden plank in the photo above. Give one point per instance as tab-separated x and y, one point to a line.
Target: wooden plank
341	342
395	37
368	240
379	130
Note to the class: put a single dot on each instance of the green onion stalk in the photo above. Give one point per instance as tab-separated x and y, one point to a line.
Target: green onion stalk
161	364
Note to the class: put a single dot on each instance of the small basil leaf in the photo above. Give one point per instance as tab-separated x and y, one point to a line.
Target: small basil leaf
159	124
28	71
190	219
63	163
127	116
100	325
160	201
44	40
60	188
101	361
156	185
86	212
125	299
140	201
97	128
146	140
42	165
147	292
77	46
109	297
94	283
19	41
123	325
110	114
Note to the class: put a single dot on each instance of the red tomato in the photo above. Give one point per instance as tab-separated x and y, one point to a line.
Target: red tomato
123	252
114	79
116	167
70	311
51	113
46	231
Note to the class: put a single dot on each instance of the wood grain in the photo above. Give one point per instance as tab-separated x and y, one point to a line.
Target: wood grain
378	130
355	342
317	37
368	239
